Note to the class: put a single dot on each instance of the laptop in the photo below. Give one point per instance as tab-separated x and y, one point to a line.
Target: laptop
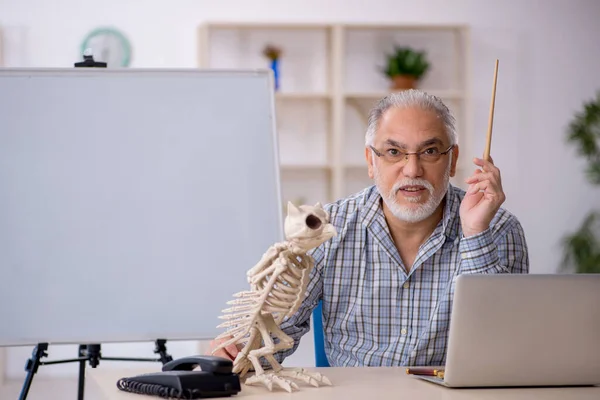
519	330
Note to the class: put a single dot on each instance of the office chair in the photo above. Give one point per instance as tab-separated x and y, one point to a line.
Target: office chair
320	356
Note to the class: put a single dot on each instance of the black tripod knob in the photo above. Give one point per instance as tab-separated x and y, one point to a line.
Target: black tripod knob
93	353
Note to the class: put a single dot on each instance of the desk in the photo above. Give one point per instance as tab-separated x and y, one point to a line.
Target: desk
380	383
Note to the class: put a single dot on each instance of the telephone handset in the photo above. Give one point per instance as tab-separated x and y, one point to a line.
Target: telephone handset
180	380
216	365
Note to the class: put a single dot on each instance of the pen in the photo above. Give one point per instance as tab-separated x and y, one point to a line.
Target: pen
422	371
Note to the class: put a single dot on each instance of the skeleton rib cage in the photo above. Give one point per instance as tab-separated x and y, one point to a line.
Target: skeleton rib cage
278	290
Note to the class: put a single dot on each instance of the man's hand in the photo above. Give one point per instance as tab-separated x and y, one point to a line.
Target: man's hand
483	198
230	352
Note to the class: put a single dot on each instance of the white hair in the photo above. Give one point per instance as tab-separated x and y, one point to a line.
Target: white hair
411	98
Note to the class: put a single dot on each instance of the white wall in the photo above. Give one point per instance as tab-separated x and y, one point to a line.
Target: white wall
549	63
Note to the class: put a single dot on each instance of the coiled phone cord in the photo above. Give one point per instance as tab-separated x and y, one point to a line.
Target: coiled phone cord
132	386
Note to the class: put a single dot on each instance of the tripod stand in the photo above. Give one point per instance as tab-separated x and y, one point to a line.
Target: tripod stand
91	353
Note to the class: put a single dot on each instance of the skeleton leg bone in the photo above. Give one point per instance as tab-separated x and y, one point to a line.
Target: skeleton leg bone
270	378
312	378
276	376
268	345
242	364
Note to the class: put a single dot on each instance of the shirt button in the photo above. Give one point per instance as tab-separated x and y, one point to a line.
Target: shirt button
463	256
403	331
406	285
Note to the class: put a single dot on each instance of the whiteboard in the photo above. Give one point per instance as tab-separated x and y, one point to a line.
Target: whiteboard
132	202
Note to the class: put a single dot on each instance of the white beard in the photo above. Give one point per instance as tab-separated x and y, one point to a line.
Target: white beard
415	213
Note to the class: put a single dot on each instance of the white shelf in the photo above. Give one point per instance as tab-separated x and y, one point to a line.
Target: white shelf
330	78
443	94
404	27
257	25
302	96
362	102
304	167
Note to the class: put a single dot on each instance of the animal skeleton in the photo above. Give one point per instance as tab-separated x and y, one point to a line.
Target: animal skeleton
277	288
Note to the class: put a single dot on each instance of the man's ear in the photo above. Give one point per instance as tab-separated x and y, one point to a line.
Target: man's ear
455	153
369	157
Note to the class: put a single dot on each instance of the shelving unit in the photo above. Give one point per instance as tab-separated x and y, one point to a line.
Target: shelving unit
329	80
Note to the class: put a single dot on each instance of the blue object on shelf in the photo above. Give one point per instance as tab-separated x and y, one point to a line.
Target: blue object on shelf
320	356
275	68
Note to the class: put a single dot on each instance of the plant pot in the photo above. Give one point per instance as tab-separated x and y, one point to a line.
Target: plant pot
401	82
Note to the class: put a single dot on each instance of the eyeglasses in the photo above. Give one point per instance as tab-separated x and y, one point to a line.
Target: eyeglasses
394	155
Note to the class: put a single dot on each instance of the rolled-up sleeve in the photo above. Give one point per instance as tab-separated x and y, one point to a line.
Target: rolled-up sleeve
495	252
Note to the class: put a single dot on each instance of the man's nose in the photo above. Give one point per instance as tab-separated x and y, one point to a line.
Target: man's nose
412	166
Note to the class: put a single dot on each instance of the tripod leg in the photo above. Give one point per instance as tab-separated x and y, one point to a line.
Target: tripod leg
81	383
161	349
32	366
93	354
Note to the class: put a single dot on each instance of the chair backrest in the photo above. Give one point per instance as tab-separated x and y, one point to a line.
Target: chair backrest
320	356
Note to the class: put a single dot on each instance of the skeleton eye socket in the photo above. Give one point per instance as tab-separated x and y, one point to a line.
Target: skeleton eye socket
313	222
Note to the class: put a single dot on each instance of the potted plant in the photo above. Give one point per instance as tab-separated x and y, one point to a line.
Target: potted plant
405	67
582	248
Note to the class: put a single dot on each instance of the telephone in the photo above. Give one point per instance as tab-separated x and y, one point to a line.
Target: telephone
179	380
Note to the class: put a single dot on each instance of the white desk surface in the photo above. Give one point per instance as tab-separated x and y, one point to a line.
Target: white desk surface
353	383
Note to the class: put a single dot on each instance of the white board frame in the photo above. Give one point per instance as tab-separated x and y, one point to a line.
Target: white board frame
84	72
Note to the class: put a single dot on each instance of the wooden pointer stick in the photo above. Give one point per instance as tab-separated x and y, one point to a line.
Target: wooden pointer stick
488	144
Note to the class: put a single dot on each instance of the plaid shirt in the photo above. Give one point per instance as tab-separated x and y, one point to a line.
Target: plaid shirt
376	314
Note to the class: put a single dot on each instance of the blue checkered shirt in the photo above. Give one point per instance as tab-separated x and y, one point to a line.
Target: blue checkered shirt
376	314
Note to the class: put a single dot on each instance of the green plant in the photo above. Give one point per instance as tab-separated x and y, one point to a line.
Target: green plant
582	248
584	131
406	61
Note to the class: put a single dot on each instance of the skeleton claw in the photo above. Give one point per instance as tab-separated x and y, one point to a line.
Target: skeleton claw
268	379
271	378
312	378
